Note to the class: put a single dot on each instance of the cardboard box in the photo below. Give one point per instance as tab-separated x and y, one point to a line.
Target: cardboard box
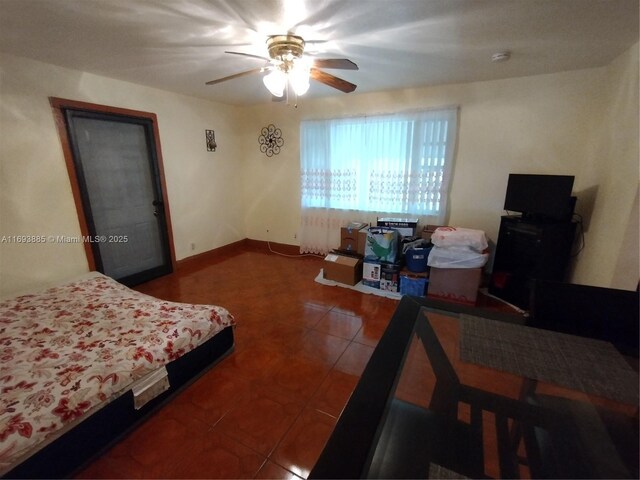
406	227
342	268
390	277
398	222
458	285
428	231
371	272
353	237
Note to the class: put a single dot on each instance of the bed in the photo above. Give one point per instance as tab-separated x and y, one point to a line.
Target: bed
81	363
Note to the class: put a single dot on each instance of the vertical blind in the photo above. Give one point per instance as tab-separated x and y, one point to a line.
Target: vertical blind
390	164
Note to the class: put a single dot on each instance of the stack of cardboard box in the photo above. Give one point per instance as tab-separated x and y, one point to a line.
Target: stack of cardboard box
344	265
415	281
382	270
357	261
353	238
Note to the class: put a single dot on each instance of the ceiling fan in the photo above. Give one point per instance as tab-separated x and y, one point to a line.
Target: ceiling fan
288	66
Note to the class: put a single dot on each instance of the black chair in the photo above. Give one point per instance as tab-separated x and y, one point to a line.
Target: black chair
414	437
584	441
563	438
602	313
411	439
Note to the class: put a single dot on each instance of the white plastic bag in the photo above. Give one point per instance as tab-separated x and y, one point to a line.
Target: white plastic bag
456	257
460	237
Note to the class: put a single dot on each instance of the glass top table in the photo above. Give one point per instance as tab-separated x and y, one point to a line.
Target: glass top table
452	395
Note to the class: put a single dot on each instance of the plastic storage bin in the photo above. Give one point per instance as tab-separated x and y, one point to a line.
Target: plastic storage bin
417	258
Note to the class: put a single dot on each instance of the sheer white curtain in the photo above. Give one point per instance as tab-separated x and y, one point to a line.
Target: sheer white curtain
356	169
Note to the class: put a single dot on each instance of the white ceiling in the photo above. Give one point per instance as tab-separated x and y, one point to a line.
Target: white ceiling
178	45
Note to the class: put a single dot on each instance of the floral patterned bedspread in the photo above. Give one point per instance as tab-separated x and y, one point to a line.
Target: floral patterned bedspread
69	349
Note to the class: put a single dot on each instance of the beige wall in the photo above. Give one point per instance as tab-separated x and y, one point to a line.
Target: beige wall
536	124
551	124
611	175
35	194
583	123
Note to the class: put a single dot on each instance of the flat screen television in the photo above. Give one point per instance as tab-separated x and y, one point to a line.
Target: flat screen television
540	196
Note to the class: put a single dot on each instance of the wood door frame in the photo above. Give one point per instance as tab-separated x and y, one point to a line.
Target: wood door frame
58	106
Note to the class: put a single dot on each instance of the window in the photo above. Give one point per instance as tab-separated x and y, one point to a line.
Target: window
355	169
393	164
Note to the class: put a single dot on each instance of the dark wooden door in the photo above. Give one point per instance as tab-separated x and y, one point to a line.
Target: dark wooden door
116	165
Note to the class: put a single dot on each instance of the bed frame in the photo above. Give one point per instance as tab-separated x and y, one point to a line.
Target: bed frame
76	448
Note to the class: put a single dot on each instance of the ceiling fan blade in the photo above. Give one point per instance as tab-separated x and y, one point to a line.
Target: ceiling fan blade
338	63
236	75
330	80
249	55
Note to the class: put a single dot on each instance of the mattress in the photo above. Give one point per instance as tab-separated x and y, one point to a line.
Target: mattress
68	351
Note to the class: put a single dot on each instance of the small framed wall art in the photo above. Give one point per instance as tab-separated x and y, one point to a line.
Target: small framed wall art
210	137
270	140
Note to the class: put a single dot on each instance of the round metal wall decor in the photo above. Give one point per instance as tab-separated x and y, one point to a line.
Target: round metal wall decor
270	140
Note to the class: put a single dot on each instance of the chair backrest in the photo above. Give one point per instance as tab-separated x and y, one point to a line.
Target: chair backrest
446	393
602	313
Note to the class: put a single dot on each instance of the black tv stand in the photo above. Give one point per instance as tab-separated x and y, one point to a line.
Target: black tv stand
529	248
535	218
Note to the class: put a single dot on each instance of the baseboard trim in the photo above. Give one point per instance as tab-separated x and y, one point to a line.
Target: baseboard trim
235	248
217	253
273	247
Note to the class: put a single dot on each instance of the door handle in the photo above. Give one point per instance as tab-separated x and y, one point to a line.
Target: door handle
157	204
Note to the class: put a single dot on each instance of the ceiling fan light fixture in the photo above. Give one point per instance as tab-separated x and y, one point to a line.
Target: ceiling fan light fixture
299	78
290	70
275	82
283	47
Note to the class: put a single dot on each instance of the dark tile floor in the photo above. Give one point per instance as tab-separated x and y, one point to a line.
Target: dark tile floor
267	409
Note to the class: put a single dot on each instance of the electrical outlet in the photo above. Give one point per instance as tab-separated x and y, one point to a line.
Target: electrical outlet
295	236
193	246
